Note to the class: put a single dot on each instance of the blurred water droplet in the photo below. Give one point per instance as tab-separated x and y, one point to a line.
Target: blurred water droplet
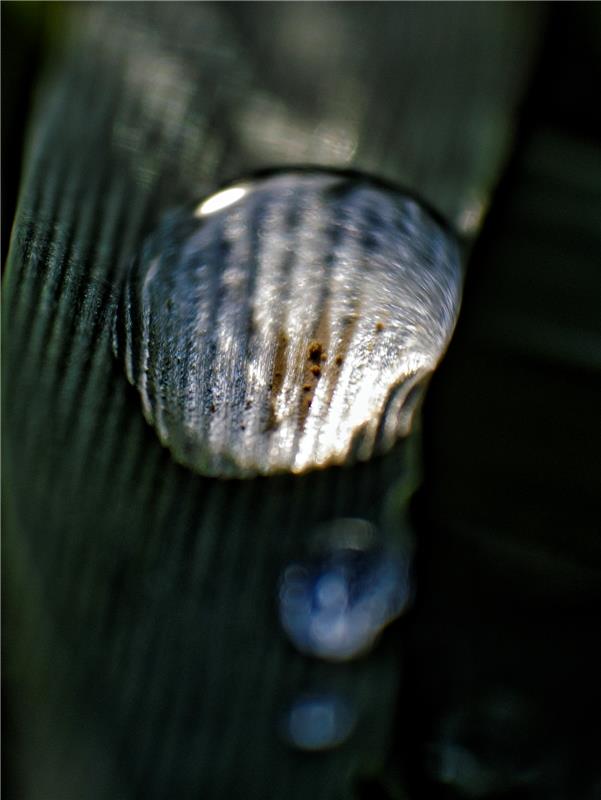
335	603
319	721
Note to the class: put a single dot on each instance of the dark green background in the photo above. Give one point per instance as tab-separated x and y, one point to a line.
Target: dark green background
498	660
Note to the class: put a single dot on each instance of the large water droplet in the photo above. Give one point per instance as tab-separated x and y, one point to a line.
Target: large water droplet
284	322
334	603
319	721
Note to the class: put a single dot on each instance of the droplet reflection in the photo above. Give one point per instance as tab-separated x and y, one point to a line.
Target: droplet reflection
221	200
319	721
334	604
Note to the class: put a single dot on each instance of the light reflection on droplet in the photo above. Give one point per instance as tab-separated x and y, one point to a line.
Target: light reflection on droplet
335	603
318	721
470	218
221	200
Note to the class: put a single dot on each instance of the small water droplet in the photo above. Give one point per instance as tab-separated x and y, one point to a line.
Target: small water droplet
319	721
335	603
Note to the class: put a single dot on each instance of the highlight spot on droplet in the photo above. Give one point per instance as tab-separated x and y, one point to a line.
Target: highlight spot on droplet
221	200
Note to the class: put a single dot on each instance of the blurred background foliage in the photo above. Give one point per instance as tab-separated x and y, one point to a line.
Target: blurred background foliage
500	693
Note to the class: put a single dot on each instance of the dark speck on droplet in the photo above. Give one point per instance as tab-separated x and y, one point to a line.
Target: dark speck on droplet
315	352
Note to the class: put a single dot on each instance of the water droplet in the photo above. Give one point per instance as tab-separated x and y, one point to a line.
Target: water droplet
334	604
284	322
319	721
